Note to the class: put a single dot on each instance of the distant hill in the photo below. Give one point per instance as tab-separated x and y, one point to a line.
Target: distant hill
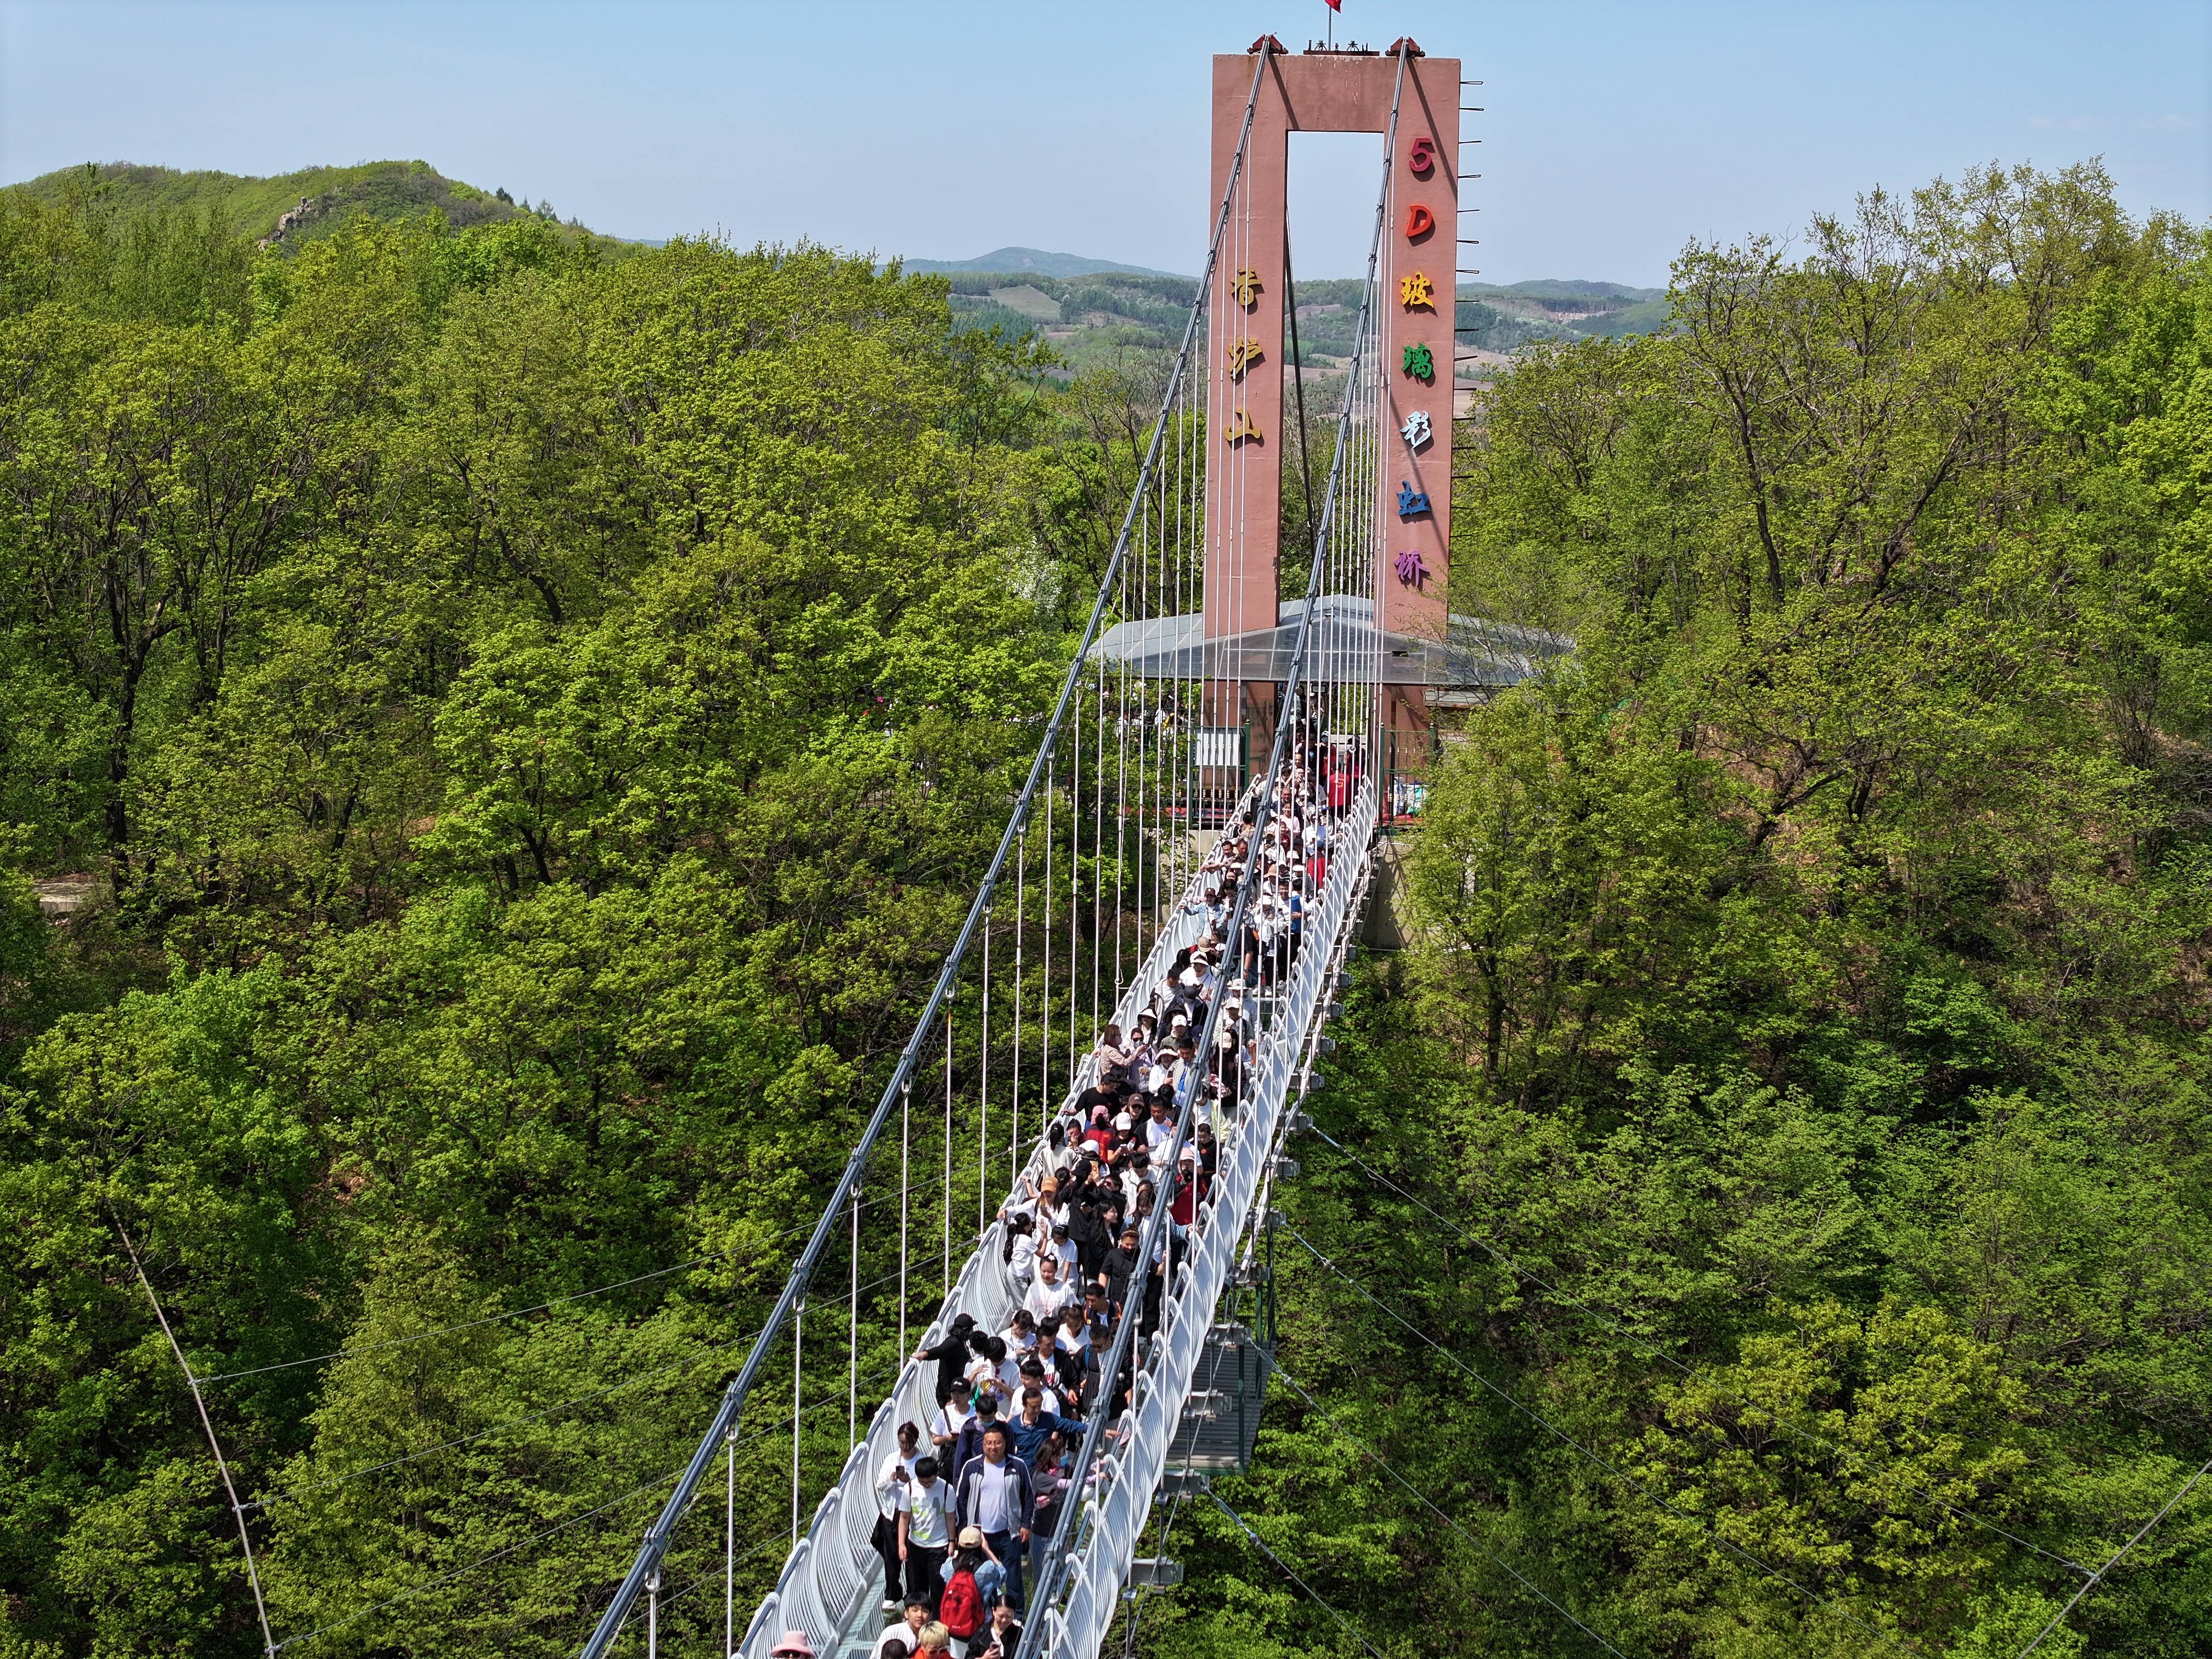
1036	262
258	207
1106	312
1569	287
1562	308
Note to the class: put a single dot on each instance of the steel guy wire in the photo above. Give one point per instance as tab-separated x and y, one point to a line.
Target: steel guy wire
489	1319
1664	1357
644	1564
695	1360
1568	1440
1291	1573
517	1313
207	1422
2141	1533
287	1493
444	1578
1052	1579
711	1575
1278	1368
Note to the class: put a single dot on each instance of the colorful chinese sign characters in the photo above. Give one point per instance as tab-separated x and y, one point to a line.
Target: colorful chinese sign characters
1412	502
1412	568
1242	354
1419	362
1243	429
1246	289
1415	292
1416	431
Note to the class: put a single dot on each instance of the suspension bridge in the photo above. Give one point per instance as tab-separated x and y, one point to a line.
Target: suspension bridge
1135	1003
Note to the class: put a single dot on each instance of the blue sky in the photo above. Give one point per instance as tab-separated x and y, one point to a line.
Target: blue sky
1611	132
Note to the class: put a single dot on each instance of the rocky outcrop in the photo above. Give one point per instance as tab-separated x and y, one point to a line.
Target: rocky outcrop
291	222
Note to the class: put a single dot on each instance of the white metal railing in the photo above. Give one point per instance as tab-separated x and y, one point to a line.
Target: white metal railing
832	1580
1115	1506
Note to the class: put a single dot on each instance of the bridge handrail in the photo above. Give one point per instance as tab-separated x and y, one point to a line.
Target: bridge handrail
644	1573
1115	1514
800	1600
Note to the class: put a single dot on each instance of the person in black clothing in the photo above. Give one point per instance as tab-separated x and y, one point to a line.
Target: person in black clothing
1093	1230
1003	1635
1208	1150
951	1357
1121	1262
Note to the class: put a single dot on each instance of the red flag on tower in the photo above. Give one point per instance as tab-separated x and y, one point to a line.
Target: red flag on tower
1334	5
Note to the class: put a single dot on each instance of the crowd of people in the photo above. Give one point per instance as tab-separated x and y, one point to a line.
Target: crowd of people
968	1503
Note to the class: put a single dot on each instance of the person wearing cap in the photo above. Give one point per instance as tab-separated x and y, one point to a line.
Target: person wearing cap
792	1644
951	1354
926	1506
996	1494
1190	1189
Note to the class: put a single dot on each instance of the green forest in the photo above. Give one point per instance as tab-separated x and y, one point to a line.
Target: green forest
498	728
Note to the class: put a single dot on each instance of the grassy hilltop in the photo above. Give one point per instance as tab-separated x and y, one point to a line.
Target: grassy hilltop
253	207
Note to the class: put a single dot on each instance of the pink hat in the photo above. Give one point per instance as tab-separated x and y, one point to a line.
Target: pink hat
794	1641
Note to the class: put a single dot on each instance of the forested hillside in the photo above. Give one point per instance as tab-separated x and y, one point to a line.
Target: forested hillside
1775	1209
524	724
527	723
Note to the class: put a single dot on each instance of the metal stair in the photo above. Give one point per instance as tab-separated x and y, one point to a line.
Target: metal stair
1221	1417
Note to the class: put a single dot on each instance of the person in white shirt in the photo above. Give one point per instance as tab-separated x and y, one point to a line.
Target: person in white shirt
1063	1247
1050	1294
1021	1250
892	1477
946	1423
1159	1132
926	1506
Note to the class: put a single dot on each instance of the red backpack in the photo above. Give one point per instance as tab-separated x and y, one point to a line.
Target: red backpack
962	1606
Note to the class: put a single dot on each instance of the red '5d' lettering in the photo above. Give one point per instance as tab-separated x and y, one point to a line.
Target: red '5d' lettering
1423	156
1419	221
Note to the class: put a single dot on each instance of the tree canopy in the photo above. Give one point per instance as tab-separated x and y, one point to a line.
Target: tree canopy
530	716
